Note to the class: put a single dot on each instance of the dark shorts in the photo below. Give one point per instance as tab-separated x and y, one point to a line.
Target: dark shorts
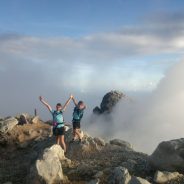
58	131
76	125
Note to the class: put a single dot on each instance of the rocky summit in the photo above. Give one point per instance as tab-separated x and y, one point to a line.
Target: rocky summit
29	155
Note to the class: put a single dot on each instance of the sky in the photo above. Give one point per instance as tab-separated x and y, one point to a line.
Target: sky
85	47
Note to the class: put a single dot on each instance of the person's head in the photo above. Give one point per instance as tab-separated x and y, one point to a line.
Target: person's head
58	107
81	105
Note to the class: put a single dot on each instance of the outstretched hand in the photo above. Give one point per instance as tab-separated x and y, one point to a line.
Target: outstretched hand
71	96
40	98
45	103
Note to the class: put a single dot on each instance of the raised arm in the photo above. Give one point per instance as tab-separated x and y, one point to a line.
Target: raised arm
66	104
45	103
74	100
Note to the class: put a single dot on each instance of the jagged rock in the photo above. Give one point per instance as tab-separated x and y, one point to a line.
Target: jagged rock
95	181
169	156
23	119
3	140
99	174
121	175
108	102
99	141
97	111
124	144
35	120
163	177
48	169
129	164
7	124
78	150
138	180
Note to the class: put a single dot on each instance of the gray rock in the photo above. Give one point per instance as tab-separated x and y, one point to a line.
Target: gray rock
138	180
8	182
121	143
23	119
129	164
108	102
99	141
97	111
99	174
7	124
35	120
120	175
163	177
88	146
95	181
169	156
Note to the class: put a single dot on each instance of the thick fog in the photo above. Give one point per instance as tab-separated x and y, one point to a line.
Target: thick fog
148	119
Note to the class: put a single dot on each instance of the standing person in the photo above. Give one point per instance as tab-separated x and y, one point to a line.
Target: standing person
77	116
58	121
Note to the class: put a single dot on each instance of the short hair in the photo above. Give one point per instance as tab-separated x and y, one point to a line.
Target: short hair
58	104
80	103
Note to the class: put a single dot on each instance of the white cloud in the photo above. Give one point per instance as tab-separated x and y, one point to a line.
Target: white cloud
97	62
148	120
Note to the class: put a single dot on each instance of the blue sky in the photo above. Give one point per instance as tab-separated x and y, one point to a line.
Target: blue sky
76	18
87	46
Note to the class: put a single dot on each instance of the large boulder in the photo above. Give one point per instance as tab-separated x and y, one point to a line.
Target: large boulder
48	169
7	124
120	175
23	118
163	177
88	146
169	156
138	180
108	102
121	143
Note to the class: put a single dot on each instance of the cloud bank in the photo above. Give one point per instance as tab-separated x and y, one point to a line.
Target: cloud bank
131	59
149	119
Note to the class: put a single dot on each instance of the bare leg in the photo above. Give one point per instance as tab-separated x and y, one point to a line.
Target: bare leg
57	140
62	142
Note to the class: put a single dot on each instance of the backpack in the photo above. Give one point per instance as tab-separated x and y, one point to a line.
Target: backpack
77	114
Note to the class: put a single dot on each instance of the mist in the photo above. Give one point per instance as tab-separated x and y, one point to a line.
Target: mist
148	119
89	67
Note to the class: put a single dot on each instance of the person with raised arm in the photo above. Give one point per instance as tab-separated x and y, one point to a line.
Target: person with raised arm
58	120
77	117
